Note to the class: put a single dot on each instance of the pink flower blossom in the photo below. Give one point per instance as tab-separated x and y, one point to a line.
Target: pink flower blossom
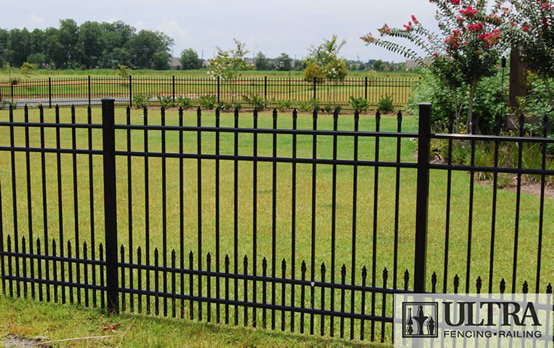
415	19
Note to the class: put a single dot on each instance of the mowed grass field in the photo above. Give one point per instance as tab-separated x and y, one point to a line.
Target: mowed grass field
344	249
184	73
280	87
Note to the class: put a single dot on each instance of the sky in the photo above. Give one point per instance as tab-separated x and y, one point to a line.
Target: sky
269	26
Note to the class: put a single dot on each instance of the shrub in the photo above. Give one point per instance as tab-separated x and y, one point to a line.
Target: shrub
283	105
359	104
536	106
184	102
314	71
141	101
208	101
309	105
489	101
385	104
166	101
257	102
225	106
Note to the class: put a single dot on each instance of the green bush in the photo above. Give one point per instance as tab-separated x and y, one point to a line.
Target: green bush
359	104
386	104
488	102
314	71
208	102
309	105
225	106
166	101
536	105
257	102
184	102
141	101
283	105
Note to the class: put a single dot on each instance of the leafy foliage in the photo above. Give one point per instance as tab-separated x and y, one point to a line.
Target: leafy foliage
166	101
27	69
490	100
256	101
89	45
208	101
466	50
359	104
314	71
189	59
229	64
534	34
309	105
141	101
385	104
184	102
325	56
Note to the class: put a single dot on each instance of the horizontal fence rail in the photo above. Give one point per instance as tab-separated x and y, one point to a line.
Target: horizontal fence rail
299	223
288	93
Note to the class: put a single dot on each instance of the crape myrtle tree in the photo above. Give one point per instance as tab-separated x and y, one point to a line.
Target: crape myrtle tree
467	47
533	32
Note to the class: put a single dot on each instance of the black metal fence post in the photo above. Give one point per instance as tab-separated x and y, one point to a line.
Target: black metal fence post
422	206
365	88
315	84
11	89
110	216
89	91
173	87
130	90
218	83
49	92
265	87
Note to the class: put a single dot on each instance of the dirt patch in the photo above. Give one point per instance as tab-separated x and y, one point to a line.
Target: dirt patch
527	187
21	341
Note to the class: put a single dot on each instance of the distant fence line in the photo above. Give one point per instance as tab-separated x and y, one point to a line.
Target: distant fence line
89	90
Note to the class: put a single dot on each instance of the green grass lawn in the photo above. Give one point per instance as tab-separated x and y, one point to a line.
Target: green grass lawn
81	327
504	242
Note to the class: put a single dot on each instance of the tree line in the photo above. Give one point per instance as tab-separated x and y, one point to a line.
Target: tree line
89	45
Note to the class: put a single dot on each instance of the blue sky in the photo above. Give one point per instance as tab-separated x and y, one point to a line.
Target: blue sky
268	26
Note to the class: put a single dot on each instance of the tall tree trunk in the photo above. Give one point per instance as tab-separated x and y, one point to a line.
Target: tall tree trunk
470	107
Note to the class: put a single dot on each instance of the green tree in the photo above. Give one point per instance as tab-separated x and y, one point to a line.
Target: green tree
534	34
90	42
283	62
68	36
190	60
27	69
326	57
229	64
465	50
150	50
261	62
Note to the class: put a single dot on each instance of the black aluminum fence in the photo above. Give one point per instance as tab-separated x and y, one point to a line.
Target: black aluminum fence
89	90
222	220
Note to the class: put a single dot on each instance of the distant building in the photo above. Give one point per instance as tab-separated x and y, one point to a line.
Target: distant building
175	63
413	64
410	64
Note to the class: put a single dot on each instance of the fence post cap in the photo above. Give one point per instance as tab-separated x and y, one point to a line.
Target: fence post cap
425	104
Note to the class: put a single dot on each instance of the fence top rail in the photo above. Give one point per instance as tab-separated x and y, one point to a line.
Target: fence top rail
50	125
500	138
268	131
